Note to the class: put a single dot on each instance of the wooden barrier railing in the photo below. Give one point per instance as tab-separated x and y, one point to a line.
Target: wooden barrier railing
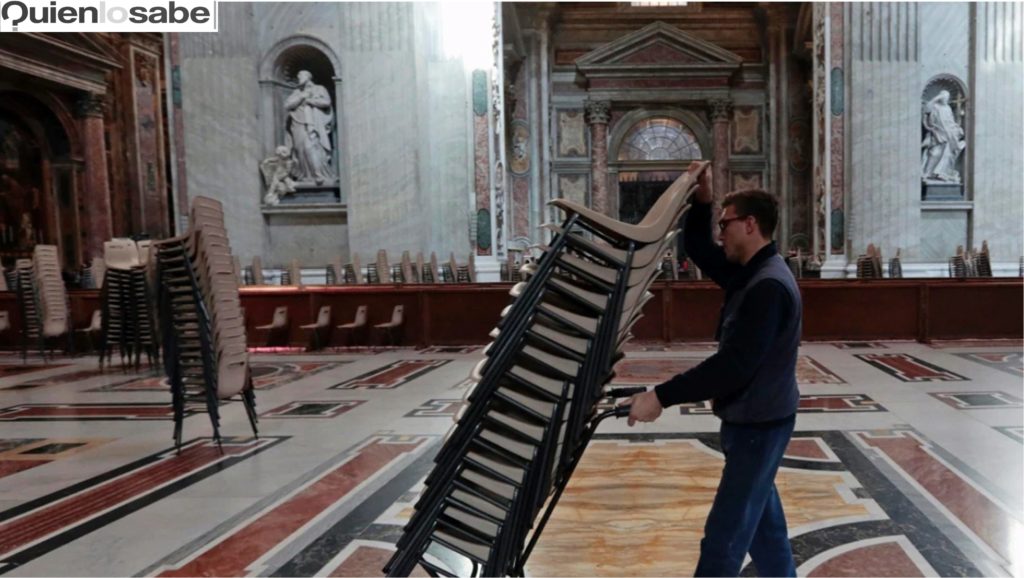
447	314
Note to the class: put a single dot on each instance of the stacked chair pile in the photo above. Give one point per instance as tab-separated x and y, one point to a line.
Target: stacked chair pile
539	392
126	304
42	299
203	331
25	288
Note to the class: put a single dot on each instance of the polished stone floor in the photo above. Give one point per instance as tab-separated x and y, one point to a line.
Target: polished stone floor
907	461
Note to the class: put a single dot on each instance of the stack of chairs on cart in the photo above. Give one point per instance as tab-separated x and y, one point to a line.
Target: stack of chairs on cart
203	331
539	392
128	315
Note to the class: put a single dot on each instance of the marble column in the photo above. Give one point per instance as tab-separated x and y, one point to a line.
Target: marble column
721	110
598	113
95	219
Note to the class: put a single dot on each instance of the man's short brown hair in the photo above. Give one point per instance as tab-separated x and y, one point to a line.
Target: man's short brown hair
756	203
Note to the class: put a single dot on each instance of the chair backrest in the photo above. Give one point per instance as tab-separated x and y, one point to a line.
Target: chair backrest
120	254
257	271
360	319
324	317
383	268
280	316
357	269
396	314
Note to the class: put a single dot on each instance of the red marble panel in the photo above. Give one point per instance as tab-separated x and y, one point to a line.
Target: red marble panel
79	507
808	448
8	467
392	375
86	411
988	520
888	559
246	544
520	207
650	371
368	561
9	370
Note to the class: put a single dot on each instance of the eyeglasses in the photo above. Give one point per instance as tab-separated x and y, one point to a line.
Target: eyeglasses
722	224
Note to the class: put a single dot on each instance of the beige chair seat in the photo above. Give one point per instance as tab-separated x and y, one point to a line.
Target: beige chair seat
661	217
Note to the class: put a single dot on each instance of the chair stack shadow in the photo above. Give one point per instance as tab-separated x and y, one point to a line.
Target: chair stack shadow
539	393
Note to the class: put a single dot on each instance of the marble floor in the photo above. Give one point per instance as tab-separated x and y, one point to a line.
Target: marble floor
906	461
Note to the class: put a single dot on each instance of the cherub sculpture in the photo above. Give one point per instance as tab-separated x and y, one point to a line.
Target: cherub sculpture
277	178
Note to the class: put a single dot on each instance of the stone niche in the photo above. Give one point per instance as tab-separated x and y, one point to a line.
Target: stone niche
943	139
300	170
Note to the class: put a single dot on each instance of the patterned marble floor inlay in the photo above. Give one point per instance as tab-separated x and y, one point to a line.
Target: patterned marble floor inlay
972	343
88	411
977	399
650	371
638	346
880	478
809	371
37	527
859	345
436	408
985	517
265	375
17	455
61	379
392	375
632	371
234	548
312	409
1015	432
1010	362
450	349
908	368
654	529
832	403
12	369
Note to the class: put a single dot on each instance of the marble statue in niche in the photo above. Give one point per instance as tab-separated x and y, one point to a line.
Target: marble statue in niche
308	129
276	171
943	141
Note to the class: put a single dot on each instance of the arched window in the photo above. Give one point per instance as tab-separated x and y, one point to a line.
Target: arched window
659	138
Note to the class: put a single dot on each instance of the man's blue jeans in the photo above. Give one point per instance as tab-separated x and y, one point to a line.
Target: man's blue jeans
747	513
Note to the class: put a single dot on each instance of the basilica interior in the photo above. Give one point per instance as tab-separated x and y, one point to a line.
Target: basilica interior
381	272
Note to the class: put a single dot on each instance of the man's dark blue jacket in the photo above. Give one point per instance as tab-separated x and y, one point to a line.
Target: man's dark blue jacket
752	377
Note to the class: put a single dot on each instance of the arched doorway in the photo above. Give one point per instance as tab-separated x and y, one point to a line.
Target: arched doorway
651	152
38	181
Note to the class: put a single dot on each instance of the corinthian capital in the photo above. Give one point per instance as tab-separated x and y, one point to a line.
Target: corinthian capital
89	104
598	111
721	109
